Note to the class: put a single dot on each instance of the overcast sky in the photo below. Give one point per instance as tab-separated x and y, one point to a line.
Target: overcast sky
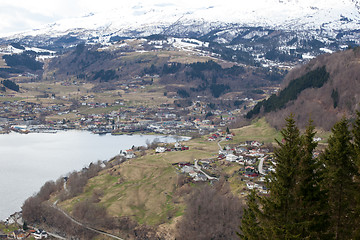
22	15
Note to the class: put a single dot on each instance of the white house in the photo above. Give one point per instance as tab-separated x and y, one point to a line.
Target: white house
250	185
160	149
40	234
231	158
128	154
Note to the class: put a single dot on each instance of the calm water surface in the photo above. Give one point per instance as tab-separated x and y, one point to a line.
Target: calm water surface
28	161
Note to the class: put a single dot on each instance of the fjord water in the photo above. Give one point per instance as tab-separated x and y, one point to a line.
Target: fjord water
28	161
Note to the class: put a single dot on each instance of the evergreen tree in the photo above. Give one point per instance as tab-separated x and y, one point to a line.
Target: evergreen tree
338	180
279	208
311	217
250	225
25	226
356	135
227	130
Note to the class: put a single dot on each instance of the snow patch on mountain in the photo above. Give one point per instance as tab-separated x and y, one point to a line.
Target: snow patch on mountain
154	17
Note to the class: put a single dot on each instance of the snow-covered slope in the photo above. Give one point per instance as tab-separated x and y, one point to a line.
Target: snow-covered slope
130	18
238	30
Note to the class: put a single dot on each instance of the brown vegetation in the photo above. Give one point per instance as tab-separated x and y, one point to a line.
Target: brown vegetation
326	105
212	212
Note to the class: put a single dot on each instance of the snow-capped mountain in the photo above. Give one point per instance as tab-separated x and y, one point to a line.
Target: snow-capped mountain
154	17
260	26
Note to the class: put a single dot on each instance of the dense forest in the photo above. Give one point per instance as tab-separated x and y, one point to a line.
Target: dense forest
25	60
10	85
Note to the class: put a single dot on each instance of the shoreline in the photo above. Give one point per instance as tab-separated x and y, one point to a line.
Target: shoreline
85	142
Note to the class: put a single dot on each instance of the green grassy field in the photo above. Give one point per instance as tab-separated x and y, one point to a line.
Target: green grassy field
259	130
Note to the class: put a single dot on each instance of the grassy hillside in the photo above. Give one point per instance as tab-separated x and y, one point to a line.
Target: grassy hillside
144	187
147	188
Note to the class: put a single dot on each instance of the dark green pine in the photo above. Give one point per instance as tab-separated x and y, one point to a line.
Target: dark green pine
338	180
356	134
250	224
356	137
311	216
279	207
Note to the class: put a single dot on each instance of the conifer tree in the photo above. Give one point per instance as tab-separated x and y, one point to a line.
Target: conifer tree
311	217
338	180
279	207
250	224
356	135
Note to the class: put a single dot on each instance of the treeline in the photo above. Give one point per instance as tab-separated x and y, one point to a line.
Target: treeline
194	70
313	79
105	76
24	60
310	197
204	75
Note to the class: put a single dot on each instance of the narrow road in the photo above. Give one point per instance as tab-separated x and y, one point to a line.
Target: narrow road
199	169
222	139
260	167
83	225
79	223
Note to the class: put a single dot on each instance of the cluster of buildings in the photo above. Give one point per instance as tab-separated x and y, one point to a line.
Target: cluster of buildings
28	234
127	119
255	161
22	233
177	147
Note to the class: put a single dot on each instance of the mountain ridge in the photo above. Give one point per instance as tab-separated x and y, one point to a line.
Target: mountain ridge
154	18
260	32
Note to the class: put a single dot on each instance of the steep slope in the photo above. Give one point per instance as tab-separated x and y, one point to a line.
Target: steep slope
339	96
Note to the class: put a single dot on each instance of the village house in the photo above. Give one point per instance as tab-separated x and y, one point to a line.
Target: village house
128	154
160	149
20	234
40	234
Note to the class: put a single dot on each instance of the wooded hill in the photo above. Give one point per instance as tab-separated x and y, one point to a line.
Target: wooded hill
325	89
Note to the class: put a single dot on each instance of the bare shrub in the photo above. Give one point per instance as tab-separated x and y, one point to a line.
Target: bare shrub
145	232
32	210
91	213
76	183
97	194
181	180
154	144
46	190
92	170
212	212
